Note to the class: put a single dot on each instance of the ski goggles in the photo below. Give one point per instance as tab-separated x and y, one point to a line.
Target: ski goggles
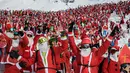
85	46
42	40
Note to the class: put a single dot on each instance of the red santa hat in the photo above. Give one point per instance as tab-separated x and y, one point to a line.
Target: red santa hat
105	27
86	40
8	26
115	48
84	34
88	27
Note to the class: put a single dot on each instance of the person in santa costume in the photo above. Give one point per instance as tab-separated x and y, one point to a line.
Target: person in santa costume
44	58
77	35
39	33
128	25
124	58
87	60
28	51
110	64
15	40
3	44
60	46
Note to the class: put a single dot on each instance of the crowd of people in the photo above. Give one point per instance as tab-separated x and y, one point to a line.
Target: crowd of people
80	40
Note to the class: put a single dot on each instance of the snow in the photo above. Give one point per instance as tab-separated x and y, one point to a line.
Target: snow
51	5
124	40
47	5
115	18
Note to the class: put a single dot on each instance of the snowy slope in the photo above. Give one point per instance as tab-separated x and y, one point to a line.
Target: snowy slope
46	5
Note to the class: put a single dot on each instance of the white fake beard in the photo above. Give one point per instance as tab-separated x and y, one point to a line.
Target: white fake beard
85	52
9	34
15	43
43	47
30	41
77	41
114	57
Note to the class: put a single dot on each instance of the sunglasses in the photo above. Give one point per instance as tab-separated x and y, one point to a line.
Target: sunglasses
30	35
85	46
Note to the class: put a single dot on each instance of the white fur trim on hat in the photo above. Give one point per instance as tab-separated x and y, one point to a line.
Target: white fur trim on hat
29	32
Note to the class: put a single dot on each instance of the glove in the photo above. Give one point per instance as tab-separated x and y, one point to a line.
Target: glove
14	54
25	28
23	64
58	71
39	31
71	26
115	30
21	33
1	31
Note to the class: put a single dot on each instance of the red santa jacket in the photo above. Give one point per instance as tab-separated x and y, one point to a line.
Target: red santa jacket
3	44
27	53
60	51
110	67
22	44
44	65
89	63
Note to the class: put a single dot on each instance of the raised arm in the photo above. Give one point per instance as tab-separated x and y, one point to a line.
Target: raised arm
24	40
106	44
73	46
